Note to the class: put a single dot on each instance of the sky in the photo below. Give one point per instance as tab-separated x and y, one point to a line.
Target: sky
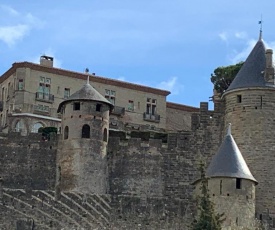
168	44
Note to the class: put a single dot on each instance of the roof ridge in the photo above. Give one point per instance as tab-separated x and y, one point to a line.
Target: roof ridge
83	76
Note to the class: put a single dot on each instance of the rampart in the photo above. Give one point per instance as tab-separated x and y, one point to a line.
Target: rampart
150	177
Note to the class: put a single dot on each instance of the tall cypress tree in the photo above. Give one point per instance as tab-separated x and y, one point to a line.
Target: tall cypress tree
207	219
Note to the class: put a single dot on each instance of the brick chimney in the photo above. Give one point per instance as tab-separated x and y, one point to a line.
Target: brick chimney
46	61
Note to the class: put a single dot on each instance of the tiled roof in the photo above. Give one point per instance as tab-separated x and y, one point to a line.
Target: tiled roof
82	76
229	162
186	108
252	72
86	93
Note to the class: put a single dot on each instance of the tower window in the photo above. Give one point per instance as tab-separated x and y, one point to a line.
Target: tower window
105	135
238	183
77	106
98	107
239	98
66	132
85	131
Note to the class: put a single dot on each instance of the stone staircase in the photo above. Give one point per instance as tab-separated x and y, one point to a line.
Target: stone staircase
71	211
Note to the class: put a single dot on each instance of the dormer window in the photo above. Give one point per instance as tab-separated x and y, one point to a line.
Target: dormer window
77	106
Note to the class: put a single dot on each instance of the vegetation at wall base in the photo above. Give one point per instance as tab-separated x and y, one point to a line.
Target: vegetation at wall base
47	131
207	218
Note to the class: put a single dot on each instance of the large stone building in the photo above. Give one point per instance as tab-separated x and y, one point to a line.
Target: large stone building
30	95
133	168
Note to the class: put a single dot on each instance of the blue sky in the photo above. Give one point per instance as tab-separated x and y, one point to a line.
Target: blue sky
174	45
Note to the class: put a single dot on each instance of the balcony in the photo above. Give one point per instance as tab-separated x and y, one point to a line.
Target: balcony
44	97
151	117
1	106
119	111
41	109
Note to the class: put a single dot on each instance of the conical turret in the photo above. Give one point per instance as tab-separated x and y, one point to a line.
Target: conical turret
229	162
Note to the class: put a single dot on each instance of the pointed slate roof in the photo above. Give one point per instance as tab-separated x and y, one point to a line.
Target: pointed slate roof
86	93
251	74
229	162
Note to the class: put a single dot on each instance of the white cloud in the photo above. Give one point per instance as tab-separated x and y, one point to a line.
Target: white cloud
121	78
243	54
9	10
11	34
223	36
241	35
171	85
18	25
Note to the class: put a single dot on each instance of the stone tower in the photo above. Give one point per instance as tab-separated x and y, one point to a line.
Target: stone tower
231	185
250	106
81	158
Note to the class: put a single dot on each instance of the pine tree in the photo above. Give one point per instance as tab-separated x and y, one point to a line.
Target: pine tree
207	219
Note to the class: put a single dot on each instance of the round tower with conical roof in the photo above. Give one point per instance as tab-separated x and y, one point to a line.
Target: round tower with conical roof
81	159
232	186
250	106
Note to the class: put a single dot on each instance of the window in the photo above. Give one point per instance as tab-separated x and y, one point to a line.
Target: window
20	84
85	131
66	93
148	109
154	107
110	95
238	183
66	133
19	126
239	98
77	106
36	127
48	81
98	107
130	105
44	88
105	135
42	80
151	106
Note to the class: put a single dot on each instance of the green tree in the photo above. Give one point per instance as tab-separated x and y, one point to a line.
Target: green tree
206	219
224	75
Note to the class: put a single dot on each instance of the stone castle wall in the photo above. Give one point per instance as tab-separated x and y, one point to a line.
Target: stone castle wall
149	180
28	162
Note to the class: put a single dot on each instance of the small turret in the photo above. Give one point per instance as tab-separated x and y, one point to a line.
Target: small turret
229	162
231	185
81	157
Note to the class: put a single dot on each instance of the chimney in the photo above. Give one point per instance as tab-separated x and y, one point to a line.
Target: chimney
46	61
268	56
269	69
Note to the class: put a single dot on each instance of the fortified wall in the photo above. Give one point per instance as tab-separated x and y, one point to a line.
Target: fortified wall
149	180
